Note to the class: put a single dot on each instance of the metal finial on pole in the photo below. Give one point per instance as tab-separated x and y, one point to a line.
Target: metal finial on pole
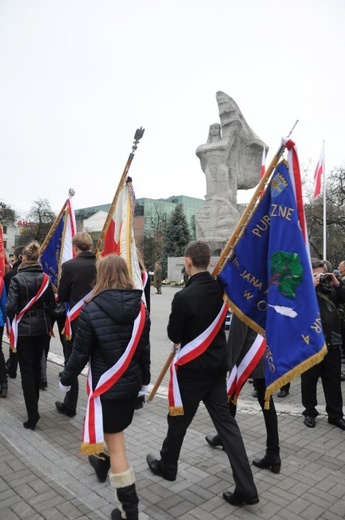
137	136
71	192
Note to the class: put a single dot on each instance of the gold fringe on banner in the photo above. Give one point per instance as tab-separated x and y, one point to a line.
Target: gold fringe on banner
294	373
176	410
91	449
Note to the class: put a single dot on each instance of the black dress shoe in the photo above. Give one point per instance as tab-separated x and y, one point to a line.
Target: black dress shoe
214	441
309	421
101	465
156	468
62	408
30	424
268	462
235	499
340	423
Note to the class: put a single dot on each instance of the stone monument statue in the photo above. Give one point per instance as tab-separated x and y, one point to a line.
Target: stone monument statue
231	160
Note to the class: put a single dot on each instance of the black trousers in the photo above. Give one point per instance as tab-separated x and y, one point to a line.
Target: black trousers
71	397
330	372
270	418
29	351
212	392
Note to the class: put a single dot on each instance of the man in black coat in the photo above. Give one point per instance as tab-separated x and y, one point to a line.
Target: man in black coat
330	293
194	310
77	279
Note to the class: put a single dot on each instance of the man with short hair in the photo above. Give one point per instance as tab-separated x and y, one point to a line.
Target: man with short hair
330	293
196	323
77	279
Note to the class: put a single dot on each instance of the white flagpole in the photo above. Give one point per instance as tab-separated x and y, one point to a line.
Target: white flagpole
324	204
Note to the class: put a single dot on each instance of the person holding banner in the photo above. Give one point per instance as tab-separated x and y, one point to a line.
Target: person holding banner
77	279
29	306
112	335
198	373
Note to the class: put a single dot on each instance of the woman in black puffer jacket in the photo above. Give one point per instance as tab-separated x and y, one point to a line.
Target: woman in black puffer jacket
34	327
105	330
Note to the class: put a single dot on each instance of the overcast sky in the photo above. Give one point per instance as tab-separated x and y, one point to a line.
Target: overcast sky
77	77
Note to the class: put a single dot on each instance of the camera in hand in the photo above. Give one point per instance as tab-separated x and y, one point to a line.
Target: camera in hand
325	283
325	278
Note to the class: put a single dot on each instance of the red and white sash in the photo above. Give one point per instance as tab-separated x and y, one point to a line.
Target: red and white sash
93	437
191	351
240	373
18	317
74	313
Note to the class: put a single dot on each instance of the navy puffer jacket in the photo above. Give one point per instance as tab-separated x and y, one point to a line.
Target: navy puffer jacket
104	330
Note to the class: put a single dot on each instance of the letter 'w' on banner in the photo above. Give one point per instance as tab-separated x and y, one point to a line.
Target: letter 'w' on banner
268	281
57	246
320	168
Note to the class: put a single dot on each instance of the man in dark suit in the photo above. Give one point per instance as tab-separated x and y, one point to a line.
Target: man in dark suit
195	310
77	279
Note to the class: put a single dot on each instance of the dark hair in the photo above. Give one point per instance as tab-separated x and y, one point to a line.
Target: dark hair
18	252
199	253
315	263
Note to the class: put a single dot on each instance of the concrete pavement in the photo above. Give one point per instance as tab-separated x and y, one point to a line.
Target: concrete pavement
43	475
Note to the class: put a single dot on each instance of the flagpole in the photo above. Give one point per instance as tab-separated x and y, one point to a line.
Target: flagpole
324	204
137	136
56	222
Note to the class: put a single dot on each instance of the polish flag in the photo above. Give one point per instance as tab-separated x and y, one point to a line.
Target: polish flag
318	174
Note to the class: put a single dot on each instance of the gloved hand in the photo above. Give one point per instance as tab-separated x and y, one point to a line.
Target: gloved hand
64	388
143	390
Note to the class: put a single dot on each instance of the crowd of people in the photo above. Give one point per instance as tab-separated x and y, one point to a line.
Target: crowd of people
104	321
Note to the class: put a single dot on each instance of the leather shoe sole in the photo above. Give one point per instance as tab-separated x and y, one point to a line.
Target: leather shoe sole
309	421
238	500
155	467
61	407
340	423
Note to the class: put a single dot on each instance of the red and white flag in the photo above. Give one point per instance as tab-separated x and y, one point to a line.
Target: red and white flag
319	171
119	237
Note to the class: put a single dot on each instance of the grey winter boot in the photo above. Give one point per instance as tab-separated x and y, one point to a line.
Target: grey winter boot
125	495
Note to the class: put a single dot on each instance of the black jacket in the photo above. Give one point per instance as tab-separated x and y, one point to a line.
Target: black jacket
77	278
193	309
329	301
104	331
23	287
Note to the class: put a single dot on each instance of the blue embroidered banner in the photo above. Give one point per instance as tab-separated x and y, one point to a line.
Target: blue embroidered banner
268	281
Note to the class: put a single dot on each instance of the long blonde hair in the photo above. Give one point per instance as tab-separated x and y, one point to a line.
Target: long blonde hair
112	273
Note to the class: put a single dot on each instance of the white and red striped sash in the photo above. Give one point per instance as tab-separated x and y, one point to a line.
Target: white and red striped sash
191	351
74	313
240	373
18	317
93	436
